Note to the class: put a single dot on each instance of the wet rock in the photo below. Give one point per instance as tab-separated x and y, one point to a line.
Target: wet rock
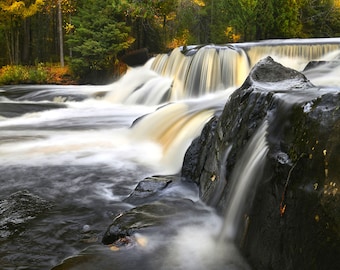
316	64
267	70
160	202
157	217
136	58
148	189
18	209
8	109
291	220
199	148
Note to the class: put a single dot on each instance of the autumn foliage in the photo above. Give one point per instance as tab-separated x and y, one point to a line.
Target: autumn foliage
94	33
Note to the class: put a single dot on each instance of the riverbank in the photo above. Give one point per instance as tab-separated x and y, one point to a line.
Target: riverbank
54	74
39	74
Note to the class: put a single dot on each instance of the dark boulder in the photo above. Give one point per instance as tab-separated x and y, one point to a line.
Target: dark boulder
160	201
316	64
156	217
291	217
17	210
136	58
148	189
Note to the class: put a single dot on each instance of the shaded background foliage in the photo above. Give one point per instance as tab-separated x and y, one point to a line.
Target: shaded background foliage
96	32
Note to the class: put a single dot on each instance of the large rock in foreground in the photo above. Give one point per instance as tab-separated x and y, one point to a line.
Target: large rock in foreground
290	219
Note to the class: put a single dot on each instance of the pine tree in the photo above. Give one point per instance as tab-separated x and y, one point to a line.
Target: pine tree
97	39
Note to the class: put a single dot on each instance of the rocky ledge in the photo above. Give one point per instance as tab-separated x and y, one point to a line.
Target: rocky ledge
291	215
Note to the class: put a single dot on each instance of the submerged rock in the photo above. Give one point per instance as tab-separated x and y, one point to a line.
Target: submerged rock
291	216
148	189
17	210
125	224
9	109
160	201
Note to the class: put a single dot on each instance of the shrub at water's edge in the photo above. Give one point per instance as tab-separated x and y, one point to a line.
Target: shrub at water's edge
40	74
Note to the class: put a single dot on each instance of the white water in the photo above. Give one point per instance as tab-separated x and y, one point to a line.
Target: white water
247	169
50	137
176	95
98	132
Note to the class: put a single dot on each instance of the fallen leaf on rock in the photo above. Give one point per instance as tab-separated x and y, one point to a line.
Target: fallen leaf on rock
141	240
114	248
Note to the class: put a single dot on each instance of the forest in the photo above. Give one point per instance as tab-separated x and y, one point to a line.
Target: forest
89	36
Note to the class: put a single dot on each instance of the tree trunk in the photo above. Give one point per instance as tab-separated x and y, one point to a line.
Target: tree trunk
61	40
8	44
16	46
26	53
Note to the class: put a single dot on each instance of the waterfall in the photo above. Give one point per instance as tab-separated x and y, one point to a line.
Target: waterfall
209	69
139	86
86	149
172	127
196	74
199	70
290	50
182	90
246	172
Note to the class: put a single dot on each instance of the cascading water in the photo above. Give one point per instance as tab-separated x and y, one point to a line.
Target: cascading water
73	154
247	170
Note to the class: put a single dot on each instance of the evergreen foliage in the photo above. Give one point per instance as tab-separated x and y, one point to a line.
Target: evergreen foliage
97	39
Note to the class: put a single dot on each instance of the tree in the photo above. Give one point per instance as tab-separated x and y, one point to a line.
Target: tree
97	39
60	32
220	30
320	18
59	13
192	23
150	21
12	15
264	12
287	18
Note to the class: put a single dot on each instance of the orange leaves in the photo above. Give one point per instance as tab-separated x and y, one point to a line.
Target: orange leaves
282	208
129	242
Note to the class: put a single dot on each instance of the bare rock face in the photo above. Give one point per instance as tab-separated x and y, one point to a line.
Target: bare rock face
291	218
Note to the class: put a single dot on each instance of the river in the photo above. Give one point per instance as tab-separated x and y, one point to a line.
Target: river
71	155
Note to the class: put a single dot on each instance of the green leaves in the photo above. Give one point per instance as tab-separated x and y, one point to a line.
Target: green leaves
98	37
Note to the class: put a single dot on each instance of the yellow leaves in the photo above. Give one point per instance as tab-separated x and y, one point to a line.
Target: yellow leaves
180	40
324	152
33	8
19	8
330	189
67	6
199	3
232	36
14	8
69	28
